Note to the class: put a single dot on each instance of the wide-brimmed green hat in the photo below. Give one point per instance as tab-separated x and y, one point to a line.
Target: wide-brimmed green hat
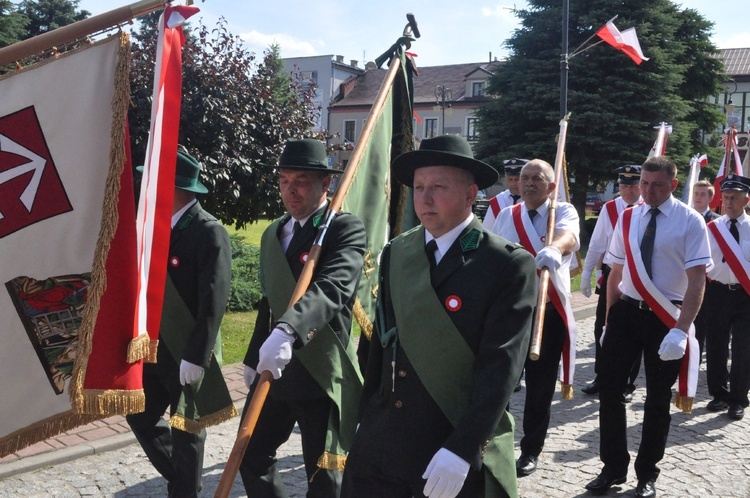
445	150
186	173
305	154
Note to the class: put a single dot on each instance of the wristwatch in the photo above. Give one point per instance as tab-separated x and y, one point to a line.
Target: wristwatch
287	329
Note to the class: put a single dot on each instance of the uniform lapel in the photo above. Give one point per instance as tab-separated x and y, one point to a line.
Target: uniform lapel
184	221
303	239
458	252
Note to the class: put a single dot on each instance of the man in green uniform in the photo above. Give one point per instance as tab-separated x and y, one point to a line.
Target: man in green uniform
453	328
307	347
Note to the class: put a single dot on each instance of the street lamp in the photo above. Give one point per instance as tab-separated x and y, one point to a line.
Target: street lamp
443	95
729	107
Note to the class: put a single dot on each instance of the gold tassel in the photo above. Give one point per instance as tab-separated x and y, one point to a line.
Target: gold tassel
567	391
331	461
107	402
139	348
44	429
362	319
684	403
182	423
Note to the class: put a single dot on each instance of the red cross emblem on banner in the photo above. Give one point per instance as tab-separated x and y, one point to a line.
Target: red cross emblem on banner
30	187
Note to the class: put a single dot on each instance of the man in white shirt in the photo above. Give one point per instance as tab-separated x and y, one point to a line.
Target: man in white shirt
628	178
527	224
726	306
659	257
703	192
508	197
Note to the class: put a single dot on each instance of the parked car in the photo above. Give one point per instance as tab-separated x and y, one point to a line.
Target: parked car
594	203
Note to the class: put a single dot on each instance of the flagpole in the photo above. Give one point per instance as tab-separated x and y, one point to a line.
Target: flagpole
76	31
564	60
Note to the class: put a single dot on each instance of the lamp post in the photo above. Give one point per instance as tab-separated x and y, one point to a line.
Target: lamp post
443	95
729	107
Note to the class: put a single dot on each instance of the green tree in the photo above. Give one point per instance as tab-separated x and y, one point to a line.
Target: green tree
46	15
12	24
614	103
237	112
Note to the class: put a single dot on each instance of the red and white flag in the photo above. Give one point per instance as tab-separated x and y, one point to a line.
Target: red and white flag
157	186
731	156
660	144
696	163
625	41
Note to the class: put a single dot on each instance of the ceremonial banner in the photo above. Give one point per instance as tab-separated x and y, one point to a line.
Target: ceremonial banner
369	192
696	163
730	164
625	41
66	204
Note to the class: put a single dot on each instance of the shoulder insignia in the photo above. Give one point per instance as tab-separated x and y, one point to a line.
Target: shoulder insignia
470	240
185	221
318	220
513	246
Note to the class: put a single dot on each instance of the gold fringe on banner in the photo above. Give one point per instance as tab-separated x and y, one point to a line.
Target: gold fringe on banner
153	347
42	430
108	402
117	159
140	348
684	403
362	319
195	427
567	391
330	461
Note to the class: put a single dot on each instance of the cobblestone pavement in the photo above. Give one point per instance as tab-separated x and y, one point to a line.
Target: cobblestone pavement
707	455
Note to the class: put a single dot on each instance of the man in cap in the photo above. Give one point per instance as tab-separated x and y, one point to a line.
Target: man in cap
726	305
596	257
455	305
659	256
511	195
703	192
526	223
187	374
307	348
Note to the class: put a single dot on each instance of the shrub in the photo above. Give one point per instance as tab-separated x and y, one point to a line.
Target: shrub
244	293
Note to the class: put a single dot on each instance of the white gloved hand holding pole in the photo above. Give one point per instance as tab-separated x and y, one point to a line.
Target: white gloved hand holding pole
673	346
549	257
189	372
445	474
276	352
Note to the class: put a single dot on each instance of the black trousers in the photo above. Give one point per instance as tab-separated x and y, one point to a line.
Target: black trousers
177	455
629	331
728	313
599	323
259	467
365	481
701	323
541	380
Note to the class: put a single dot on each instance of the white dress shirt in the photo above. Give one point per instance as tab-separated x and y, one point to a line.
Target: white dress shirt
445	241
721	272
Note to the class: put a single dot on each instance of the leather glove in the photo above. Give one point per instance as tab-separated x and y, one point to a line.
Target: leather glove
249	375
189	372
549	257
445	474
673	346
276	352
586	284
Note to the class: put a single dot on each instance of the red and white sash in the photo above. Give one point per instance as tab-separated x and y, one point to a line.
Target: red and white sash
557	293
612	212
659	304
730	248
495	206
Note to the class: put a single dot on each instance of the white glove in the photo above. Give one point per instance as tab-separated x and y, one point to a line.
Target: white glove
445	475
249	375
598	279
549	257
276	352
189	372
673	346
601	337
586	284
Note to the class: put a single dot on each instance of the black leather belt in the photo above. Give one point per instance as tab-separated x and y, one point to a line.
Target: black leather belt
731	287
643	305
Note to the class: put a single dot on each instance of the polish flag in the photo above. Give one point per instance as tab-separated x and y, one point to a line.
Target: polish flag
731	157
626	41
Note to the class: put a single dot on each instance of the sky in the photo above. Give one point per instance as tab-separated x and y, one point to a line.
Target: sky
452	32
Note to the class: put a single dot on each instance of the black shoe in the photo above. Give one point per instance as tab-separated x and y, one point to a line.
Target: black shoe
604	481
645	489
591	389
518	387
736	411
716	405
525	465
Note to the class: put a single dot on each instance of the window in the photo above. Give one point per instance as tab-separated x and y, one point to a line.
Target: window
308	77
472	133
349	130
430	127
477	88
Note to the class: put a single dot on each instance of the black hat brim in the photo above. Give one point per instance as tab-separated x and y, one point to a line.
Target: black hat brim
407	163
326	170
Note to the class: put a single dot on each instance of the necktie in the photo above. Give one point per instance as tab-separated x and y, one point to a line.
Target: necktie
532	214
430	249
733	230
647	244
515	198
295	230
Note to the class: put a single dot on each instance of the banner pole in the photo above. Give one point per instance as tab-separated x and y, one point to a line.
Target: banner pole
77	31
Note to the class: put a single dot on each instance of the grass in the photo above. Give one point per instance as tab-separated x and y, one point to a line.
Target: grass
252	232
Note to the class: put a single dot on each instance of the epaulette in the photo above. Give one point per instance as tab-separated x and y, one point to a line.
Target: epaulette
513	246
470	240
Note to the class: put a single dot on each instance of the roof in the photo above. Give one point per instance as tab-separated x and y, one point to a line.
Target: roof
453	77
736	61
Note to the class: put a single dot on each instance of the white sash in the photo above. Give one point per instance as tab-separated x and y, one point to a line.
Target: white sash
734	246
